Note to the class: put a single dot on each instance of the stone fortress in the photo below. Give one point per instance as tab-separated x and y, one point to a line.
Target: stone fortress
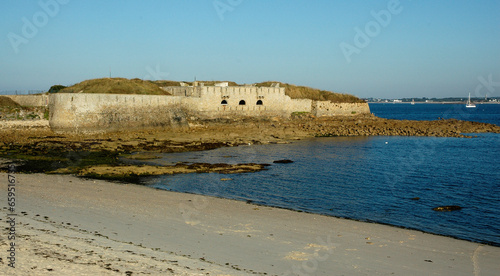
223	100
90	112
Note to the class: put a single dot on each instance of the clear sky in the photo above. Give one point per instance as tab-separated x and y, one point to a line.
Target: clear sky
387	48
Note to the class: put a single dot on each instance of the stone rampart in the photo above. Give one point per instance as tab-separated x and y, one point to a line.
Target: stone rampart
30	100
82	112
185	91
300	105
209	102
327	108
108	112
243	101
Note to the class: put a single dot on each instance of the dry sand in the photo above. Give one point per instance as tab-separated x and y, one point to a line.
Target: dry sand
70	226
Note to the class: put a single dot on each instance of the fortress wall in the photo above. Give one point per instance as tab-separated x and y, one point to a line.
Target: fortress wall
210	106
82	112
185	91
272	98
178	90
300	105
243	111
327	108
30	100
108	112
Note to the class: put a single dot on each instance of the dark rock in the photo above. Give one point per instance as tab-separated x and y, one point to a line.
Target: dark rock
447	208
284	161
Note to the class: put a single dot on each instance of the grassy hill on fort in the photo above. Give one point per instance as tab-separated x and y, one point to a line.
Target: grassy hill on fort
145	87
304	92
115	86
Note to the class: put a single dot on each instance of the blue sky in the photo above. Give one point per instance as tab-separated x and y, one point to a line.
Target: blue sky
410	49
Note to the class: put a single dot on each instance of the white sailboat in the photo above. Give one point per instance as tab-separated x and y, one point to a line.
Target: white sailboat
469	104
412	101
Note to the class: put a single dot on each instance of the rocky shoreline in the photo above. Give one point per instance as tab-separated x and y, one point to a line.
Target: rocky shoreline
385	127
40	150
132	173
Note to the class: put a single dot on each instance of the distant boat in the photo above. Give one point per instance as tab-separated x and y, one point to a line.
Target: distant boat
469	104
412	101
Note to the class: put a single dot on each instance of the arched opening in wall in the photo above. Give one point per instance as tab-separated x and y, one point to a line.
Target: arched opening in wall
224	102
242	102
259	102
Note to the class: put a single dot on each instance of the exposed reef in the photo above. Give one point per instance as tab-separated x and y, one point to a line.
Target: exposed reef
132	171
447	208
39	149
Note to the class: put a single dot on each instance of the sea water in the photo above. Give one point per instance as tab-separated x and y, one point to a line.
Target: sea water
385	179
483	113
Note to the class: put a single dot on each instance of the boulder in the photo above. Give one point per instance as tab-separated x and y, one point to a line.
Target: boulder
447	208
284	161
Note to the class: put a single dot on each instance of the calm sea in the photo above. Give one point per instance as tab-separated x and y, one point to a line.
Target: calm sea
484	113
376	179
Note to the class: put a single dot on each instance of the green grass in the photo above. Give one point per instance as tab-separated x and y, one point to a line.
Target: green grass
7	102
303	92
116	86
137	86
56	88
162	83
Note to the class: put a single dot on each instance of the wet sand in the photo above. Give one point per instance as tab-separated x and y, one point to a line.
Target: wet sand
71	226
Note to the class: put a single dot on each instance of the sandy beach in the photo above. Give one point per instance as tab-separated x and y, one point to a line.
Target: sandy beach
232	137
71	226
